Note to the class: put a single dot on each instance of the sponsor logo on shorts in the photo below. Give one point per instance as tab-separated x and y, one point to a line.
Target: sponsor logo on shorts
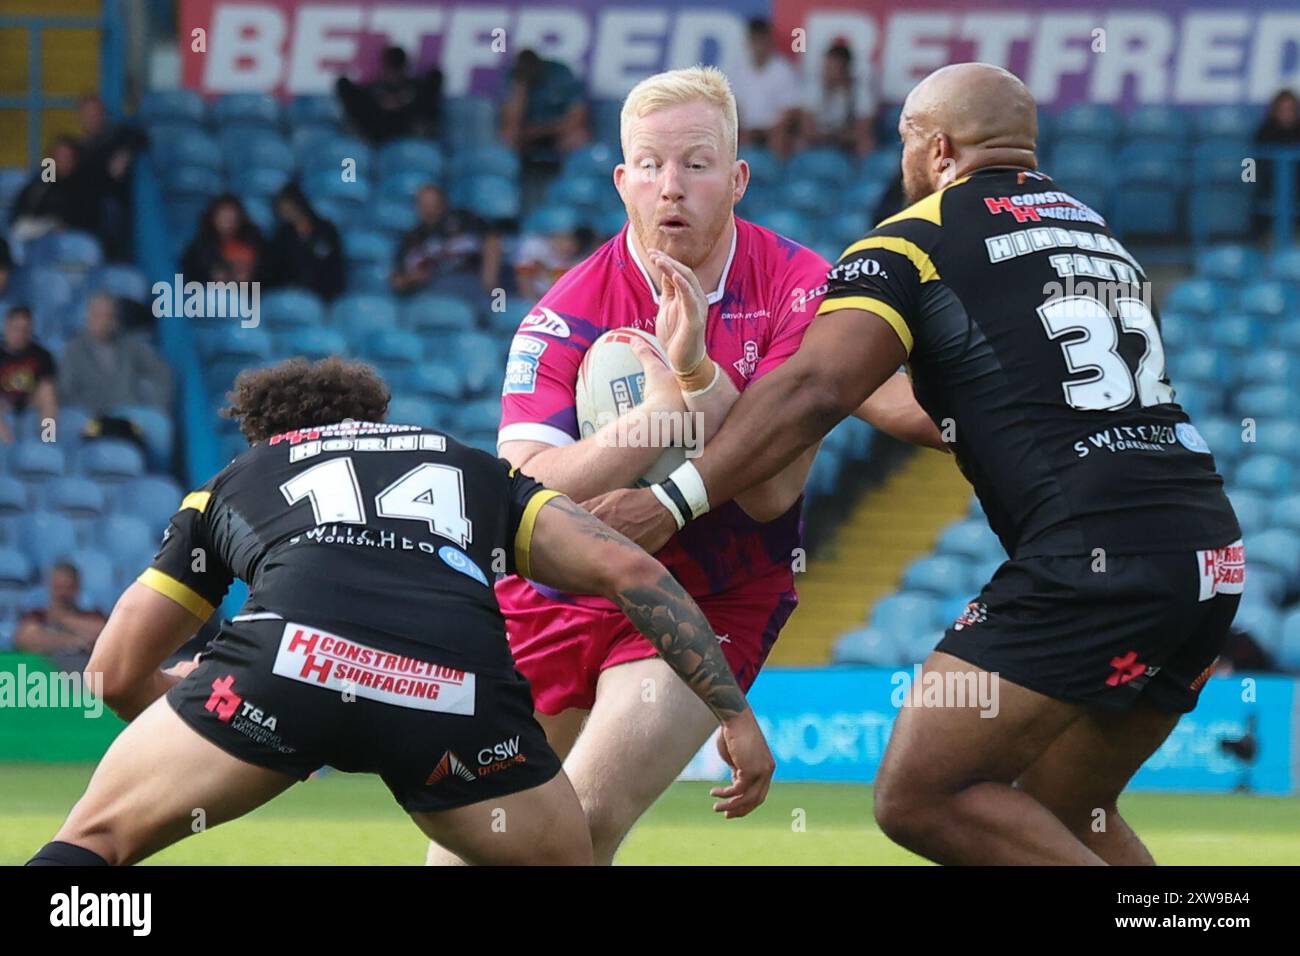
244	716
335	663
1222	570
449	766
1126	669
546	322
977	612
501	756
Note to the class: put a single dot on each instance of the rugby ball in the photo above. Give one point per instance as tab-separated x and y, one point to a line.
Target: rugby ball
610	381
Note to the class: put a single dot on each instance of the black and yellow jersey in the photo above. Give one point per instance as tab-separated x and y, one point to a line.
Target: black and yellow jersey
1033	344
386	531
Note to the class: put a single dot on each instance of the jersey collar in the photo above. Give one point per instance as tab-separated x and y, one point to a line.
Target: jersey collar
712	297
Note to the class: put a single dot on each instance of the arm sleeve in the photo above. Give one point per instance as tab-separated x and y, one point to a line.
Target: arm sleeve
537	402
794	311
882	273
187	568
527	495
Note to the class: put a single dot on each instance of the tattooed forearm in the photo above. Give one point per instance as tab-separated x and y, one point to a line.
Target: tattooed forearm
674	624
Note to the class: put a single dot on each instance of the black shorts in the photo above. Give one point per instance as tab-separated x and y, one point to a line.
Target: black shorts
1107	630
293	698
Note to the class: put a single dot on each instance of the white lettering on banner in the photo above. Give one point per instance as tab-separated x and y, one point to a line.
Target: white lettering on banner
1222	570
1154	53
335	663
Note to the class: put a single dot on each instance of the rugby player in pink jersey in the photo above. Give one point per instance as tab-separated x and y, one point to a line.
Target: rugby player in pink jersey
729	301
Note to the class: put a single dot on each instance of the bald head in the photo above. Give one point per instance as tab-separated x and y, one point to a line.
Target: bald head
960	118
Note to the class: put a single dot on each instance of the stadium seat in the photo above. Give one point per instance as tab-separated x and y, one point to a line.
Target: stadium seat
479	415
359	310
68	250
936	574
124	282
98	579
111	460
494	198
370	278
75	497
1224	438
310	343
1094	121
906	615
37	460
412	411
192	182
368	246
1277	436
1231	263
1278	548
786	222
829	166
1203	365
1226	122
1267	583
261	109
1219	161
169	106
1262	622
326	155
261	182
130	540
153	499
324	187
176	147
309	109
400	187
156	430
1219	211
1285	264
469	119
394	347
883	165
417	156
571	190
1284	513
1268	367
1197	296
1264	401
1287	649
1073	161
281	308
255	148
490	160
435	312
973	539
47	537
15	571
1145	210
229	342
980	572
595	160
1269	297
512	312
1156	122
13	496
869	646
1152	164
548	220
391	215
1236	334
439	381
1267	474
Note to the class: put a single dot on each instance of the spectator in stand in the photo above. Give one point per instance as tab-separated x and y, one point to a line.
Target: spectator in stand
397	104
63	629
227	247
6	267
837	110
57	197
448	248
1281	127
103	369
767	92
107	154
542	259
545	112
27	371
305	250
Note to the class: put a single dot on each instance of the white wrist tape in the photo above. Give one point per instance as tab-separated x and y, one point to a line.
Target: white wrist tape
717	374
671	505
687	478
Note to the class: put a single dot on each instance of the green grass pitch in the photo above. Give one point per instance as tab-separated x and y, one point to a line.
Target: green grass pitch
351	819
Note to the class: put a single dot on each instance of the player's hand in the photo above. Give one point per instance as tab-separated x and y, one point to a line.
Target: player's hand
680	323
661	390
636	513
742	745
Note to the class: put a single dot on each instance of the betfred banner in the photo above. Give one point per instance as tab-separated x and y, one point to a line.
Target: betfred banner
290	48
1123	52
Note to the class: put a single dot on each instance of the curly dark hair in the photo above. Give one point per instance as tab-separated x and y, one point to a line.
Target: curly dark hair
297	394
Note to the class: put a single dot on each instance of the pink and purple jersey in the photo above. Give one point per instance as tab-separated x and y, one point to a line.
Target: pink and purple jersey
768	294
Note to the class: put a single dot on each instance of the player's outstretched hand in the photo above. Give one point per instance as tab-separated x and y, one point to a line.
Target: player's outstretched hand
635	513
743	746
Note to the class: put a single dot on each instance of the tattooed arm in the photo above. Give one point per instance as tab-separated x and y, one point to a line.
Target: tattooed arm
573	551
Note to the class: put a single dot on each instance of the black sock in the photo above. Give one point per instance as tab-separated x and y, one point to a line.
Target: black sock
59	853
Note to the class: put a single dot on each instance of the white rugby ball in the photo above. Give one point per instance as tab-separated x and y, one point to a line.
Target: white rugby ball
610	381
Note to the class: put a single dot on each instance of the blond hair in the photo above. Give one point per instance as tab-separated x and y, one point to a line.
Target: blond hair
675	87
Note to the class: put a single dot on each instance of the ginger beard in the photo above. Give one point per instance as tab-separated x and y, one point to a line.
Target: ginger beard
680	136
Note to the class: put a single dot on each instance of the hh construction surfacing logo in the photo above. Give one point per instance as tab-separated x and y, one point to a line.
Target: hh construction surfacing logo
78	909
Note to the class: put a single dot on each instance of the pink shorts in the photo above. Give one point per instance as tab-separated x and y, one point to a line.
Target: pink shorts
562	647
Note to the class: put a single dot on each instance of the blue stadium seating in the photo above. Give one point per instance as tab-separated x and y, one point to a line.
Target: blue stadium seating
112	460
1236	333
163	106
435	312
433	380
1288	645
309	110
1157	122
391	214
75	497
937	574
38	460
192	182
595	160
1197	296
47	537
469	119
1230	263
416	156
490	160
970	538
829	166
907	615
153	499
491	197
1094	121
15	571
247	108
1226	122
869	646
1266	474
1145	210
394	347
289	307
1285	512
155	430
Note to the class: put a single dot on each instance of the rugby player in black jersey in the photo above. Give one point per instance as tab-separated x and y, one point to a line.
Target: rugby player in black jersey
371	639
1030	339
